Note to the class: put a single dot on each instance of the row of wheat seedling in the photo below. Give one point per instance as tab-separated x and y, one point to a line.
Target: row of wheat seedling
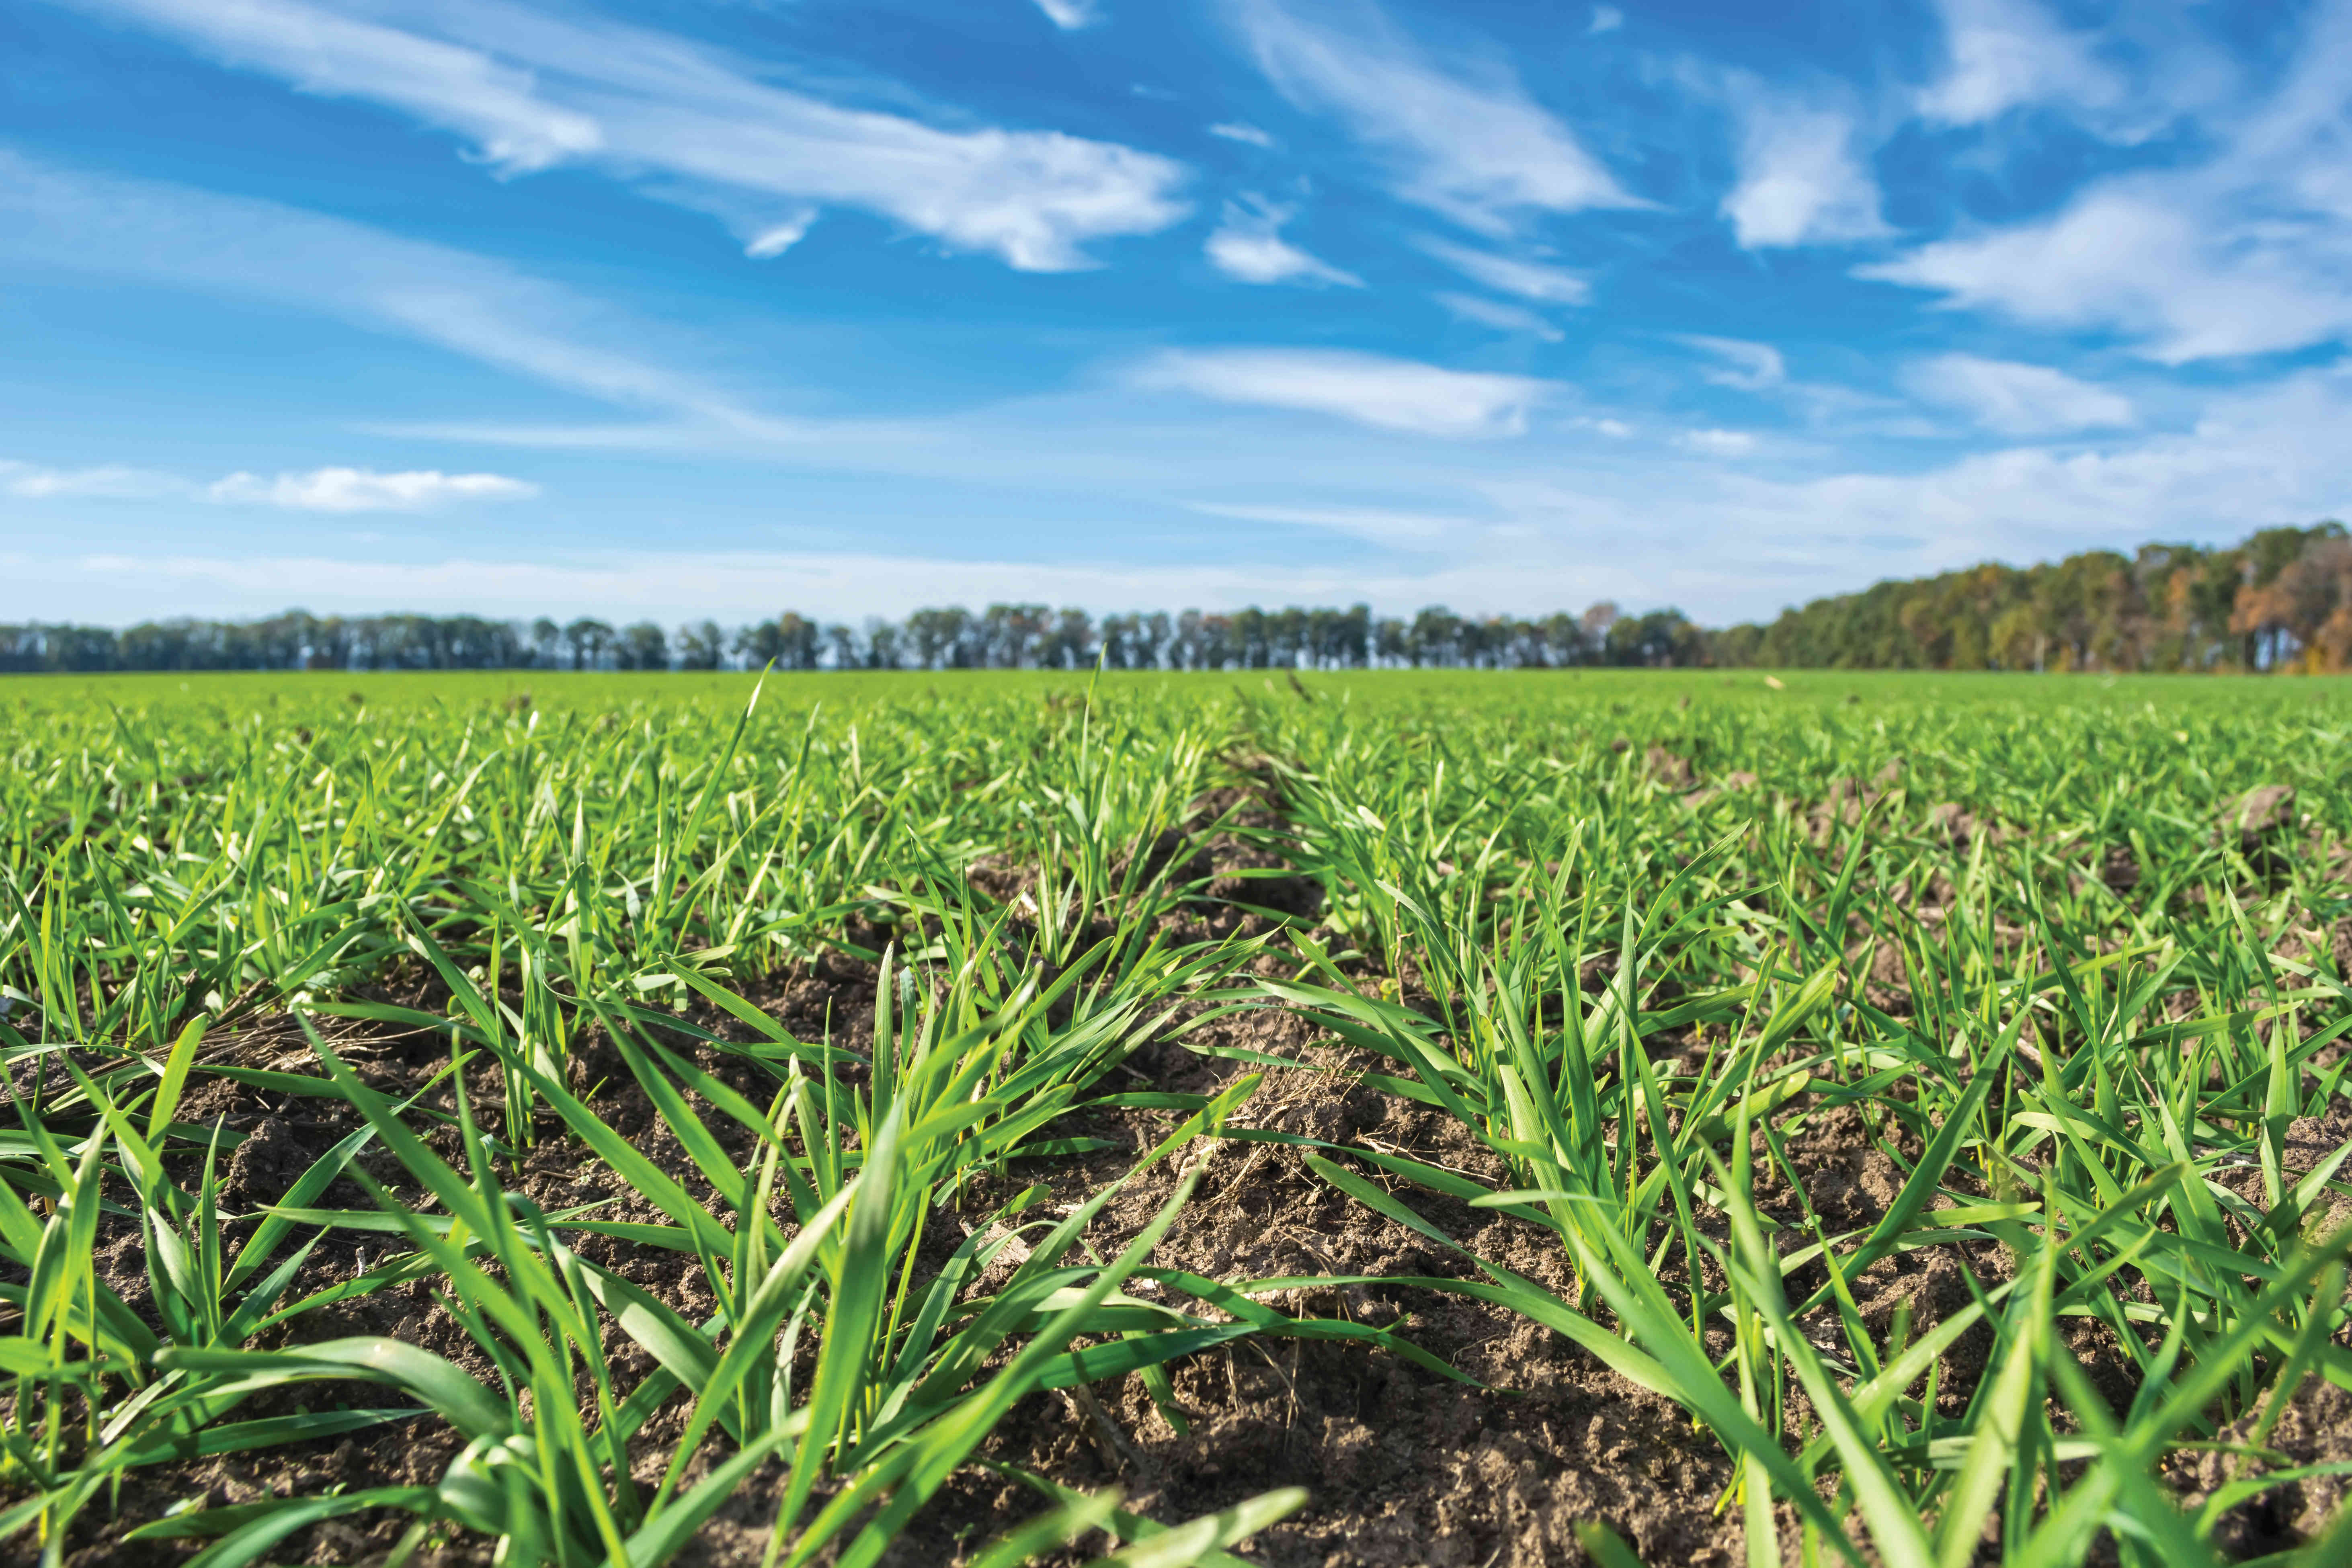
2066	1098
1632	992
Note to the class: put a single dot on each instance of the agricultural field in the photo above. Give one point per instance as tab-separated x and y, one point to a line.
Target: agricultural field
1315	1121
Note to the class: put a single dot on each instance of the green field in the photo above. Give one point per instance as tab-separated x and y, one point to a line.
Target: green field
978	1118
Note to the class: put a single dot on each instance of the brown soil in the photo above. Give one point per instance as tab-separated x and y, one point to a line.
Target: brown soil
1402	1466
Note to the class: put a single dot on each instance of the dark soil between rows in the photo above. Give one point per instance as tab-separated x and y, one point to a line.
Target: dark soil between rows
1401	1467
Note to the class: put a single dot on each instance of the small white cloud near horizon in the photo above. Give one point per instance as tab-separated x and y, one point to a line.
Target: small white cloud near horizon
1238	130
337	489
1070	15
1248	246
1719	443
1495	313
2013	399
107	482
1377	525
1469	144
1385	393
1605	19
1747	366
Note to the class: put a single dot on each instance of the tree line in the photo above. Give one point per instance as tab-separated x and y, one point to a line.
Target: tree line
2280	599
1002	636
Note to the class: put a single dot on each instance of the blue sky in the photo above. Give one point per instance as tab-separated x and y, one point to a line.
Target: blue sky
694	306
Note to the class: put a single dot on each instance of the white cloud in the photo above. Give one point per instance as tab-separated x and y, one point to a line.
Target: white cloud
777	239
1751	367
1503	318
2014	399
676	586
365	490
531	90
1540	281
1070	15
1719	443
1385	393
1560	522
2253	457
170	236
334	489
1467	141
2002	55
1380	527
1235	131
2243	252
1605	19
110	481
1248	246
1803	177
2161	259
496	104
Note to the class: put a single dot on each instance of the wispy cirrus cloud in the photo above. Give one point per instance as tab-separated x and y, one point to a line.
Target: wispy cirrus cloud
1378	525
1070	15
1739	363
1462	138
107	482
1497	313
238	247
1540	281
2014	399
2187	267
1386	393
338	489
1248	246
1239	130
682	121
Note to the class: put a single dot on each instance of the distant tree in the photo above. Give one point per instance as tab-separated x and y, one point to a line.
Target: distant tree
1436	638
1153	634
701	646
944	639
588	639
1114	636
2280	599
841	642
642	646
1246	638
1012	635
759	644
1069	644
796	641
